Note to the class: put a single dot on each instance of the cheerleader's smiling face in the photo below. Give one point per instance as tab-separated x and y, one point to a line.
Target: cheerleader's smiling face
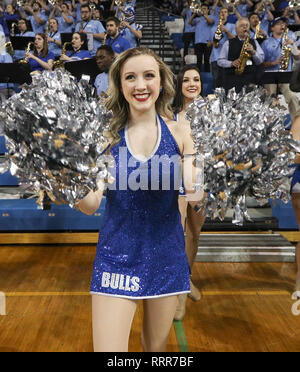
141	82
191	84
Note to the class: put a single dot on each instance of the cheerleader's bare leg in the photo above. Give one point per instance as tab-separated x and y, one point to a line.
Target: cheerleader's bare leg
112	320
296	206
158	319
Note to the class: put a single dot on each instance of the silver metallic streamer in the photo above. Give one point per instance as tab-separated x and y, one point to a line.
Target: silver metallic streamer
54	133
247	150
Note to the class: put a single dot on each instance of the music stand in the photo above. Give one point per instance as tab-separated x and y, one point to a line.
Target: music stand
83	67
15	73
28	24
66	37
294	28
276	77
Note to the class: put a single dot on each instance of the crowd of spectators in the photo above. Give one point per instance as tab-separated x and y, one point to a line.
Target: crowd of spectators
63	31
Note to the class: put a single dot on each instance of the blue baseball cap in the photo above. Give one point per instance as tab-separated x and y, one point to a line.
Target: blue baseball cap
278	19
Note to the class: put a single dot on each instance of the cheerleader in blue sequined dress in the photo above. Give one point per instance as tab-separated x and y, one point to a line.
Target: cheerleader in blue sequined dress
188	87
295	190
141	249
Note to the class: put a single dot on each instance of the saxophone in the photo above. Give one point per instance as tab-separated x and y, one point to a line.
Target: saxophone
257	30
218	34
104	39
25	60
285	52
9	48
59	63
244	56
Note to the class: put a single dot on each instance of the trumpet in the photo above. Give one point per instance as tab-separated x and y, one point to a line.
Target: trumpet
119	3
196	7
294	4
59	63
92	6
29	46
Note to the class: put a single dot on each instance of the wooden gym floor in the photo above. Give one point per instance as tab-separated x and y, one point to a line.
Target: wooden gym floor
244	306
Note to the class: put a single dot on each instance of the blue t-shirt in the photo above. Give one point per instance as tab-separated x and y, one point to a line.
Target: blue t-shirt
128	35
93	27
216	51
187	26
203	29
81	54
272	48
37	28
64	26
35	66
101	82
54	47
119	44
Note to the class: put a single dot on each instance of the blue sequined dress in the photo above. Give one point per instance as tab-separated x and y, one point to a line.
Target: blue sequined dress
141	248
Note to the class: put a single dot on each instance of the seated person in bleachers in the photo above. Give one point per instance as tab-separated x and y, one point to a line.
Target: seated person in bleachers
41	59
5	90
217	40
23	32
79	49
203	24
114	38
104	59
188	36
259	34
94	29
54	38
36	17
291	15
229	59
10	13
272	48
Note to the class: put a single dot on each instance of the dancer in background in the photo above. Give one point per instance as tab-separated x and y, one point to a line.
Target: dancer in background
141	249
189	87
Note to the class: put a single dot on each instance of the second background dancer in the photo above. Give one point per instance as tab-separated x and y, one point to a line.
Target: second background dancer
188	87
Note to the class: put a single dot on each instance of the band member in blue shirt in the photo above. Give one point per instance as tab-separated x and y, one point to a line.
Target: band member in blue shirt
23	32
273	49
218	40
188	36
41	59
79	45
94	29
104	59
37	18
54	38
203	24
114	39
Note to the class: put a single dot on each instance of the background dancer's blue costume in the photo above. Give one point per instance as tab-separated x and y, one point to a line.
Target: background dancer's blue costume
296	176
141	248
